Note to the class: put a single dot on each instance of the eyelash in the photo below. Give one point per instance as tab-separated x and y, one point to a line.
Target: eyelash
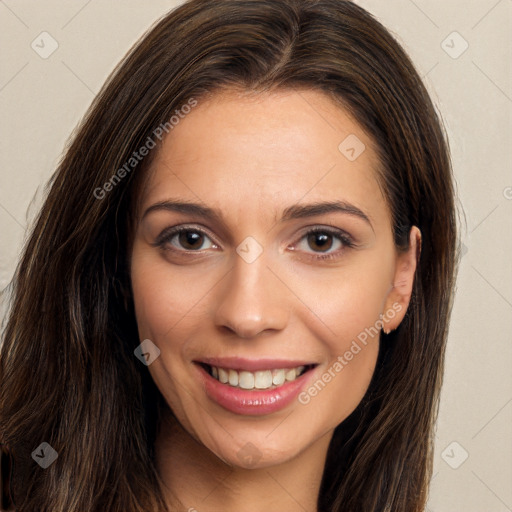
168	234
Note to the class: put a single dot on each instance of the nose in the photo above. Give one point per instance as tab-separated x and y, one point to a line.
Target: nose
252	300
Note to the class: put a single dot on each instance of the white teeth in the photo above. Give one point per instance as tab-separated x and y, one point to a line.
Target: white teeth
261	379
233	378
223	376
290	374
278	377
246	380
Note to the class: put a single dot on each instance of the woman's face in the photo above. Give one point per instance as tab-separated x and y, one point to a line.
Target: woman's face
280	280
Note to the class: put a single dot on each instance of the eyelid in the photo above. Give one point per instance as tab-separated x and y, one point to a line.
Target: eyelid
326	228
347	241
171	231
345	238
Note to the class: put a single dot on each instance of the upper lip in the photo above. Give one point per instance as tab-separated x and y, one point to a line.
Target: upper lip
251	365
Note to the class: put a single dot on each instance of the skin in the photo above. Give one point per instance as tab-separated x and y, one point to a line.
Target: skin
250	157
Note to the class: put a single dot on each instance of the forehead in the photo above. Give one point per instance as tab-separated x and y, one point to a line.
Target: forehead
248	152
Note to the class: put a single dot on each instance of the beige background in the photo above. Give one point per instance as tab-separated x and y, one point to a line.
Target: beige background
41	101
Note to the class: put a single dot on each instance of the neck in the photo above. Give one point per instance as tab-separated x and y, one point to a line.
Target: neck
196	480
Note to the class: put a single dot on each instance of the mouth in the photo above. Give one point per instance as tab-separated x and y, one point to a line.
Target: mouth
256	380
253	387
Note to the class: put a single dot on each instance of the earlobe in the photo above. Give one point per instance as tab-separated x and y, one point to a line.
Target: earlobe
399	296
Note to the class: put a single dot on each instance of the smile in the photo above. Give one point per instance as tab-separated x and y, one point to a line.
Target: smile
253	387
261	379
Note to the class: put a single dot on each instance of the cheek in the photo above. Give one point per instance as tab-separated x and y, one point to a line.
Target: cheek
336	391
168	305
350	331
346	307
344	304
166	300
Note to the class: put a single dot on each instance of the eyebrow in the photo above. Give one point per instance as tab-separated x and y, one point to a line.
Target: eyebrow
296	211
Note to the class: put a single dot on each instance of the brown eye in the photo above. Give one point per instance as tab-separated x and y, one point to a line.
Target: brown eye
325	243
320	241
184	239
191	239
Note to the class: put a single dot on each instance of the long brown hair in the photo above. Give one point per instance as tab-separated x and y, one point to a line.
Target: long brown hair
68	373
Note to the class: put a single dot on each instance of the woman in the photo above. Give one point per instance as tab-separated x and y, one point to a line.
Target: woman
237	293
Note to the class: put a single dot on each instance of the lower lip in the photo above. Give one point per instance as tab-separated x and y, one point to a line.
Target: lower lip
252	402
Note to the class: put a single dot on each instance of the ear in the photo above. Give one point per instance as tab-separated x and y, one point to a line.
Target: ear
400	294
